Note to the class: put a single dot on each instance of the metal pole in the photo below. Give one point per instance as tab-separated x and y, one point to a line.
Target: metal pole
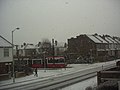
13	57
13	60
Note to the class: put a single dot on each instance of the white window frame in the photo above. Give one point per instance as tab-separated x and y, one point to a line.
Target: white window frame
6	52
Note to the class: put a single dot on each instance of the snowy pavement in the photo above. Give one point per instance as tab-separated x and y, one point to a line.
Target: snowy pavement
49	73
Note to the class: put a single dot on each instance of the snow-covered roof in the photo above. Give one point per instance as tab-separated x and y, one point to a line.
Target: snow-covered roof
117	40
21	47
93	38
101	39
110	40
28	46
4	42
106	38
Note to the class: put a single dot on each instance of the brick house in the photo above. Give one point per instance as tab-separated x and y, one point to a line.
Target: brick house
114	46
117	39
95	45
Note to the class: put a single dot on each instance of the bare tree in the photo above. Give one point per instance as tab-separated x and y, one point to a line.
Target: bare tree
46	45
45	40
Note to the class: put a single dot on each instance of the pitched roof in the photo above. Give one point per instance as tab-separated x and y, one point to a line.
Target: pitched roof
28	46
93	38
101	39
110	38
117	40
4	42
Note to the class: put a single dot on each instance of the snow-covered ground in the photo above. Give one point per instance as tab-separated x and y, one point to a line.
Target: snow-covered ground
48	73
92	82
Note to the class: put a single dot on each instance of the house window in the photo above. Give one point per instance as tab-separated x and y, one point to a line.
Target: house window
6	52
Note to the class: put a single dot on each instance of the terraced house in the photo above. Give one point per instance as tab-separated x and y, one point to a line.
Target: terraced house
5	55
101	48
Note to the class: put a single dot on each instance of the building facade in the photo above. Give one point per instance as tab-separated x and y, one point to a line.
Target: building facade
101	48
5	55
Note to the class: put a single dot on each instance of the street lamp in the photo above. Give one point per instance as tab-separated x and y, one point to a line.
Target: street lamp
12	55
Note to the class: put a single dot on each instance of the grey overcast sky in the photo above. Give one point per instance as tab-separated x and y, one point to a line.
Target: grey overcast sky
58	19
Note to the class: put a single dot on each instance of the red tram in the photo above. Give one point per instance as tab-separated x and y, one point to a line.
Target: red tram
50	62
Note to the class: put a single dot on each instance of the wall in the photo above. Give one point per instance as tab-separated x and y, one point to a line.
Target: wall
5	59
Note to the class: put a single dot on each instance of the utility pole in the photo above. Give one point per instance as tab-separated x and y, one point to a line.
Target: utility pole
12	55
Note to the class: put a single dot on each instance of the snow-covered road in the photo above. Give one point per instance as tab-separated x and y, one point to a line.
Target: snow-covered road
45	74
